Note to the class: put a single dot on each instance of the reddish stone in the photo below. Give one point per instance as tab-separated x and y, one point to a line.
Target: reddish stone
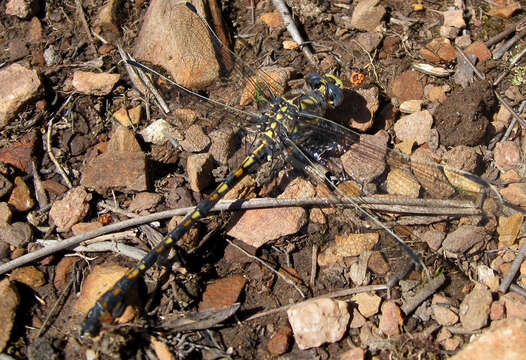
497	310
28	275
20	197
280	342
408	86
54	187
63	268
70	210
391	319
19	153
479	49
222	292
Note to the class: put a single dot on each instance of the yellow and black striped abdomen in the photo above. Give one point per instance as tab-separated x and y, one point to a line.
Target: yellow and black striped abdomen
110	303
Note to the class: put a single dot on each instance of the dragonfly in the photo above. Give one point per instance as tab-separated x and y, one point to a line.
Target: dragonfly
293	125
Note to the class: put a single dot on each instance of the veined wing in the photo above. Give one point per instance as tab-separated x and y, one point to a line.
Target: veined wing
367	159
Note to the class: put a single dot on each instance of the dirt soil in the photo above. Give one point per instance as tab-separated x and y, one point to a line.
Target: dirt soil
83	127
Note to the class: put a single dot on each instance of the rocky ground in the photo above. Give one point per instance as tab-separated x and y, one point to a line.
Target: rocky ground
86	145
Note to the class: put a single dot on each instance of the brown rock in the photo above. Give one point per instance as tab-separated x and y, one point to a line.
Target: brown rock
368	40
391	319
353	354
91	83
272	19
497	310
34	33
275	75
452	343
5	186
415	127
362	117
162	350
357	320
464	238
80	228
515	193
433	238
54	187
64	267
377	263
429	176
454	18
167	33
479	49
507	155
199	168
365	160
443	315
474	309
20	197
21	8
5	214
515	306
259	226
223	143
436	93
348	245
119	170
222	292
123	140
17	234
438	50
9	302
144	201
19	153
408	86
28	275
195	140
280	342
505	339
71	209
367	15
505	9
127	117
368	304
462	157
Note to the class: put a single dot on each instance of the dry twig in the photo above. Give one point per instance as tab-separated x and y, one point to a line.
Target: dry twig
293	30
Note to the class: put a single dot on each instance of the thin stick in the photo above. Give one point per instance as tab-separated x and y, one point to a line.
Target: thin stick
40	192
85	25
313	265
429	289
118	248
466	59
510	109
508	30
270	268
235	205
340	293
515	266
52	156
293	30
497	54
65	291
141	81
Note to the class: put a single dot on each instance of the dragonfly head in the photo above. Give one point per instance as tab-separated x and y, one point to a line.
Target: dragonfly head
329	86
